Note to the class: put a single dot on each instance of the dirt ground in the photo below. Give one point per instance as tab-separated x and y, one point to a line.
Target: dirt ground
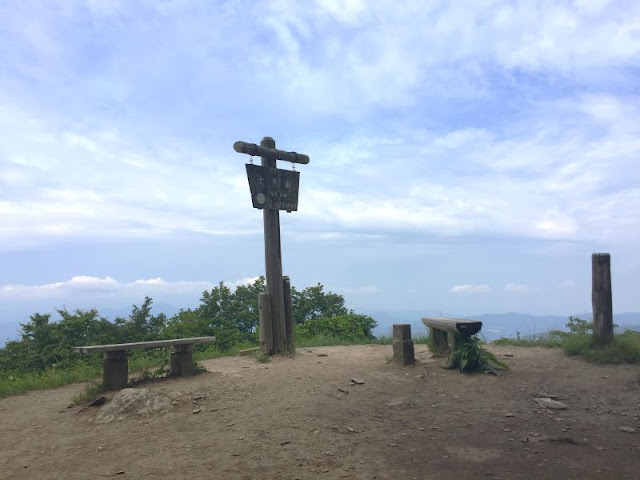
303	418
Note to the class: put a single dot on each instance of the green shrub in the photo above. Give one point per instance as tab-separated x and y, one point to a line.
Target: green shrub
625	348
470	356
350	326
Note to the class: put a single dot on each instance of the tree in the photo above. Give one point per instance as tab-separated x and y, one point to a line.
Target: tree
313	302
141	325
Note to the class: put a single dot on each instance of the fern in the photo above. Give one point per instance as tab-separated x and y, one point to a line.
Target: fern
470	356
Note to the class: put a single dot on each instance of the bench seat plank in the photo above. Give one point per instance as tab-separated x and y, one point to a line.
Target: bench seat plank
142	345
456	325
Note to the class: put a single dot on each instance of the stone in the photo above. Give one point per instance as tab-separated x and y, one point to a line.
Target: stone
133	402
546	402
357	381
628	429
403	351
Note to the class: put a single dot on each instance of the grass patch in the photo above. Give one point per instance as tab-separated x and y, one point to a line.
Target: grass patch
262	357
90	392
625	348
12	382
550	339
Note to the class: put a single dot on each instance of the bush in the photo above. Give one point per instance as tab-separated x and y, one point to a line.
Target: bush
350	326
469	356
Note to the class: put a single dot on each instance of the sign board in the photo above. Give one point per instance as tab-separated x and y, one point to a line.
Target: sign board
272	188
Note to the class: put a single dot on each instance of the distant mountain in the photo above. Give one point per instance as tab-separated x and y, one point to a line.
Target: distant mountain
494	325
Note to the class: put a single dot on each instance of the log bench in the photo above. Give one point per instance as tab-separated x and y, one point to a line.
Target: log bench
115	366
440	327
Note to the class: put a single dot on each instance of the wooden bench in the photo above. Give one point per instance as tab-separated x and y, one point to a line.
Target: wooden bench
116	366
440	327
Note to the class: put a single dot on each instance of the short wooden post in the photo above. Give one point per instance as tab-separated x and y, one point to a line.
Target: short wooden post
115	372
266	326
601	298
403	352
273	262
181	360
288	315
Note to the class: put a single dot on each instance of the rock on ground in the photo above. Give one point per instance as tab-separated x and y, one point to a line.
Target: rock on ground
133	401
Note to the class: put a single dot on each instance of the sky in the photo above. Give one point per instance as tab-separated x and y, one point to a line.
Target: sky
466	157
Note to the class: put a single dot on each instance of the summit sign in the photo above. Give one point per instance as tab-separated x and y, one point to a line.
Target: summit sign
273	188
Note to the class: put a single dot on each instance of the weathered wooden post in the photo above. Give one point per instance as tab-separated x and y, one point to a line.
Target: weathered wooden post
601	298
273	190
266	326
288	315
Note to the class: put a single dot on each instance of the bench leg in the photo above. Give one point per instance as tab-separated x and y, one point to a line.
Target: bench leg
115	371
440	339
182	360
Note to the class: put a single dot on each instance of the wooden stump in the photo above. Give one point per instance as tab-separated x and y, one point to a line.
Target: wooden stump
403	352
115	372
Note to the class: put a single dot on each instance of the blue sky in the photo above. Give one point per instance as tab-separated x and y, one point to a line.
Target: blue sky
466	157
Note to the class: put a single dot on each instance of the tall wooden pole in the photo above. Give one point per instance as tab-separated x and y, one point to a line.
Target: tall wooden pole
601	298
273	261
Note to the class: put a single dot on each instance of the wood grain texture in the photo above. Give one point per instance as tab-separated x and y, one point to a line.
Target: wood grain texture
142	345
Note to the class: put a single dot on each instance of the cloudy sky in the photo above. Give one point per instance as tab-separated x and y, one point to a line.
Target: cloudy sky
466	157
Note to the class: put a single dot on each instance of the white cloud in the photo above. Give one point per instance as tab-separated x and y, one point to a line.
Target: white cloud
468	288
108	286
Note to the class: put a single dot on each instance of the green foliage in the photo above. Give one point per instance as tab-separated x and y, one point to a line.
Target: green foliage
470	356
625	348
312	303
551	339
349	326
579	340
12	382
230	316
44	355
579	326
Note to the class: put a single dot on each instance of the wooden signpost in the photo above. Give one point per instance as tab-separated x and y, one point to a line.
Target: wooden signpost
272	190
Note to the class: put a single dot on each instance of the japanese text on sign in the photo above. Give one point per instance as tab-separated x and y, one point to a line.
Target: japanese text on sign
272	188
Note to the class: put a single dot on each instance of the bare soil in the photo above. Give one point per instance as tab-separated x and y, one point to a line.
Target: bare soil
303	418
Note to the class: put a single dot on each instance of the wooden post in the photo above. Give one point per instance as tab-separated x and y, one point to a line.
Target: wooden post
273	262
403	352
266	326
601	298
288	315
